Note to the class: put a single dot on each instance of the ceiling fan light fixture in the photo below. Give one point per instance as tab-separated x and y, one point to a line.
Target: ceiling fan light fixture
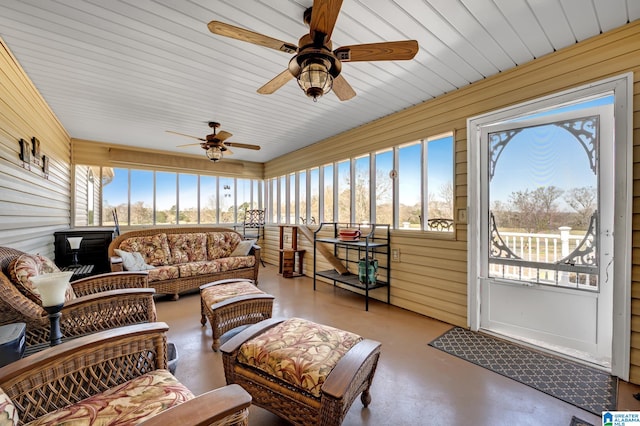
214	154
315	79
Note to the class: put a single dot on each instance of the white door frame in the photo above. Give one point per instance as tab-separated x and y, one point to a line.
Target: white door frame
622	89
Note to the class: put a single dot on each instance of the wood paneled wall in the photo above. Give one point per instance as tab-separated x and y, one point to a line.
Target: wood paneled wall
431	278
32	208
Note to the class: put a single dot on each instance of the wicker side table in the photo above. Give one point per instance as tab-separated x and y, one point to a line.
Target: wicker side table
231	303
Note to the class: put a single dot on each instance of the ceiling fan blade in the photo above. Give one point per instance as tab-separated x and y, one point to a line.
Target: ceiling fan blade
342	88
242	145
276	83
385	51
188	144
238	33
324	15
222	135
188	136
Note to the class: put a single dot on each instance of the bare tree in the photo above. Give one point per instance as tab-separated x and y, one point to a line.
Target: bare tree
536	210
583	200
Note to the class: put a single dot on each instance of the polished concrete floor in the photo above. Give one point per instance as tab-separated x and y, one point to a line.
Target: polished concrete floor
415	384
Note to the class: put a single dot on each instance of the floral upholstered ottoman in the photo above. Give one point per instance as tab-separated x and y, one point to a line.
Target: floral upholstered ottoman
230	303
305	372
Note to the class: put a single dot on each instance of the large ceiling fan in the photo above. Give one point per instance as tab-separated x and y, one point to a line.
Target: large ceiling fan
315	65
216	143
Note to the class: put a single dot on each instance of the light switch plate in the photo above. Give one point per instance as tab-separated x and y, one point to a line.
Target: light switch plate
395	255
462	215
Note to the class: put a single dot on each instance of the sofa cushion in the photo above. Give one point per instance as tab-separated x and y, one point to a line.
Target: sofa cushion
221	244
300	352
129	403
8	411
153	248
189	247
243	248
165	272
26	266
192	269
133	261
237	262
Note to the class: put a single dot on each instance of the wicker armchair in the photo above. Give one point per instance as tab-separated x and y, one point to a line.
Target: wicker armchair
106	377
104	302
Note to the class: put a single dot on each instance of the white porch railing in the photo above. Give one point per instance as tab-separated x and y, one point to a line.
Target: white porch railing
535	250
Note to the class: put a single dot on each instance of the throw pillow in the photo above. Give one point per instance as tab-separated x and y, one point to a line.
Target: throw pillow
26	266
243	248
133	261
8	412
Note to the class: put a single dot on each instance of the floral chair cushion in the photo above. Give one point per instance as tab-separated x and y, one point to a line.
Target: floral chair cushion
299	352
8	411
193	269
154	248
26	266
237	262
130	403
218	293
161	273
191	247
221	244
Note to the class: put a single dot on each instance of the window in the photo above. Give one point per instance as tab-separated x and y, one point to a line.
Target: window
166	195
187	199
410	189
384	187
344	191
314	195
327	194
227	200
208	199
361	189
141	204
439	183
302	197
243	197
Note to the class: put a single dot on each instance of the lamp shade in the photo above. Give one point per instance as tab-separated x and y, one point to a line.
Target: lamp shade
52	287
74	242
214	154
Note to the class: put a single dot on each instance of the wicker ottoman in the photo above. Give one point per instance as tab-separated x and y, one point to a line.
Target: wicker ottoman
306	373
230	303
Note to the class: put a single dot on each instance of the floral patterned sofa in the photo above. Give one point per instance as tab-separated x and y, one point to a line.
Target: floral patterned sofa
180	260
115	377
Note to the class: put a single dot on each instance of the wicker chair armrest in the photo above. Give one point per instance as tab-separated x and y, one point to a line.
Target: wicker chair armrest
347	369
234	343
115	263
93	363
106	310
212	406
110	281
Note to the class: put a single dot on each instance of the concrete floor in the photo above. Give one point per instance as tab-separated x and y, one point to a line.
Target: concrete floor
415	384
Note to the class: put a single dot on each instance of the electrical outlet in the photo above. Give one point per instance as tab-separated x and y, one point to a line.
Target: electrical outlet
395	255
286	238
462	215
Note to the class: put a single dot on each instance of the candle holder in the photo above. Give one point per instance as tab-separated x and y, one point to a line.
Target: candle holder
74	244
52	288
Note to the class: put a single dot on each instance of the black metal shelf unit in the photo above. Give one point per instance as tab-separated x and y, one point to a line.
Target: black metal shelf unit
372	244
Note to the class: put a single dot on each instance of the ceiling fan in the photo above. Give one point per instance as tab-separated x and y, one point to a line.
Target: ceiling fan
215	144
315	65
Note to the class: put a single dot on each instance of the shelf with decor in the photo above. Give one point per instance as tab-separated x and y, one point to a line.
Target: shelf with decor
360	255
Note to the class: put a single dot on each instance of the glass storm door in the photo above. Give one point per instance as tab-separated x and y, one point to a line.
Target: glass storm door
547	230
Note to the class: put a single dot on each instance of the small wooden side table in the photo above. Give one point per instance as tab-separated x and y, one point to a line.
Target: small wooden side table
287	257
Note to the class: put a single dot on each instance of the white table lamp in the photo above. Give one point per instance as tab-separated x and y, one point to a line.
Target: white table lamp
52	288
74	243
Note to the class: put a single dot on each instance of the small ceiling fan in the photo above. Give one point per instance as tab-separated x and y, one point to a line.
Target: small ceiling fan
215	144
315	65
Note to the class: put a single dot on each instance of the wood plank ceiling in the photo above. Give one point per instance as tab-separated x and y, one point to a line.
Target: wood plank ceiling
124	71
